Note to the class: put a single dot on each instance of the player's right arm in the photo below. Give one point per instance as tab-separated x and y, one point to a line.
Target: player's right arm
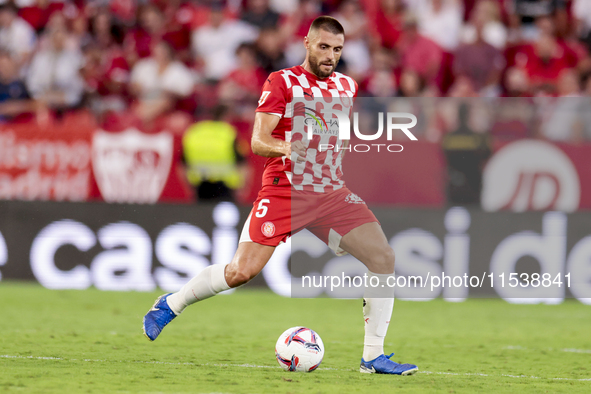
264	144
271	109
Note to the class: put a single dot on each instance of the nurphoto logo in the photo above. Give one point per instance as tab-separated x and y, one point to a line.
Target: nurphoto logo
331	121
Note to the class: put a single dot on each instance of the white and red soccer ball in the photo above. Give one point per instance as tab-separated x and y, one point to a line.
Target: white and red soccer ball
299	349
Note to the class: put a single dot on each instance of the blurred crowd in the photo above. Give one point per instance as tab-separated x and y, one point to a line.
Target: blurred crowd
148	58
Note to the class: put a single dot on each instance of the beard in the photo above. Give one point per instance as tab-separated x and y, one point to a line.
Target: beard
315	66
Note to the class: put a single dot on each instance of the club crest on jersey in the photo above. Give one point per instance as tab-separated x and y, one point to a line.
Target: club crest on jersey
268	229
354	199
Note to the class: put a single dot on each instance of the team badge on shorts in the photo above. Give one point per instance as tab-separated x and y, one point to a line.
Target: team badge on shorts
354	199
268	229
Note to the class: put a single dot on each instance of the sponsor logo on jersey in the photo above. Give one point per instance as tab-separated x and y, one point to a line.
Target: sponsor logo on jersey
316	123
268	229
354	199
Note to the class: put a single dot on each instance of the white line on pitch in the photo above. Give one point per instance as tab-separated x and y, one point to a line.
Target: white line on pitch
567	350
275	367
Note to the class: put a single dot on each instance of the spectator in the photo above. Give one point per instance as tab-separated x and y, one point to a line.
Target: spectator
488	15
381	80
546	59
513	119
387	22
104	32
284	7
152	28
462	87
178	13
270	50
215	44
516	83
568	84
80	31
138	41
177	17
568	48
14	96
419	53
106	71
566	118
245	82
105	74
210	152
39	12
411	84
53	76
354	21
58	21
480	62
439	20
526	12
581	10
123	11
158	82
17	37
587	85
295	28
259	15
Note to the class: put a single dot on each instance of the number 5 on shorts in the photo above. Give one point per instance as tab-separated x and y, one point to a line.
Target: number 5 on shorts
262	209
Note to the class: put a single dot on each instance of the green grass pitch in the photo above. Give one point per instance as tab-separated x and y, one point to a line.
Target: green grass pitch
91	342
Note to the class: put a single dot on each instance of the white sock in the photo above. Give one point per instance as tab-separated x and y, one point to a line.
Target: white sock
377	311
206	284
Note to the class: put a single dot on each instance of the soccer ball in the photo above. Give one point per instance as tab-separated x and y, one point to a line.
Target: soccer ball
299	349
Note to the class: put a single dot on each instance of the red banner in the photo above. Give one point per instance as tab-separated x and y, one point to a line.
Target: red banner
45	163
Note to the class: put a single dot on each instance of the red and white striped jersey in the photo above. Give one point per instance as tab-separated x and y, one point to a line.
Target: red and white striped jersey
312	98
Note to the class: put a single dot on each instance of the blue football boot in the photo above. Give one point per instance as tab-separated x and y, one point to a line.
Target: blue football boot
383	364
157	317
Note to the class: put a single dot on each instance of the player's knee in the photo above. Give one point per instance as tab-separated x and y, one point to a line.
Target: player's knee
237	276
383	259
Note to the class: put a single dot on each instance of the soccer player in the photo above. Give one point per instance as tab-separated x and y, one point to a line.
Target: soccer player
302	188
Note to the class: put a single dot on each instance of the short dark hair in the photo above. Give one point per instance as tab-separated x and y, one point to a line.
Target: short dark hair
247	46
329	24
9	6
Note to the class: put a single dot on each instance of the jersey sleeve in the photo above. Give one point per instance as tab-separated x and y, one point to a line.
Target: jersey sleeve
273	96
